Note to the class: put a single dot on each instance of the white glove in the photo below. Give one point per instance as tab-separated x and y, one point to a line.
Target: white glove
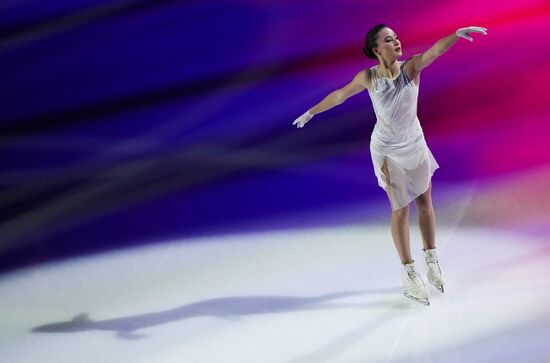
463	32
302	120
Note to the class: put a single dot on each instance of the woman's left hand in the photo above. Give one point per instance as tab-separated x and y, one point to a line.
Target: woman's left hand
463	32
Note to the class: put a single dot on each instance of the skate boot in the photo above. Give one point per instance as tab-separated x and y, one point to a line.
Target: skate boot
413	286
435	276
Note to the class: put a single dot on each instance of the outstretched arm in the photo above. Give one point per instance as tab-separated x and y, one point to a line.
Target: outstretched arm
339	96
421	61
358	84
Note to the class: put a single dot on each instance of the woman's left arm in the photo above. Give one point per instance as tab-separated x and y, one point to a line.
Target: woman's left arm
421	61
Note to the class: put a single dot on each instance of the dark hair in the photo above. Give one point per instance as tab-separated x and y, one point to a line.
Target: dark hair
370	40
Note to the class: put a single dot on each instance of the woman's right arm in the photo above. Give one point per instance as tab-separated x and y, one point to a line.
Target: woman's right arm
360	82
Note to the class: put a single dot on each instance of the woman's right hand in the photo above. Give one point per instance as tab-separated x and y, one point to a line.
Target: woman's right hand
302	120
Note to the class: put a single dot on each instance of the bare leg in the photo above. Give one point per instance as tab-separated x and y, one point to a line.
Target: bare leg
399	226
426	218
400	233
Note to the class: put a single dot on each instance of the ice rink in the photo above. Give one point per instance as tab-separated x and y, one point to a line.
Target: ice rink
320	295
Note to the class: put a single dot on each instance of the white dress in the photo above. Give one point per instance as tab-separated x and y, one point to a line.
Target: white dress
398	138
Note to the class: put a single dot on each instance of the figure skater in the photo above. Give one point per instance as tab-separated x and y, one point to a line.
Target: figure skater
403	163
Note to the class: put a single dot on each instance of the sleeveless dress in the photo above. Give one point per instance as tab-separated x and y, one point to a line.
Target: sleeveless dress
398	139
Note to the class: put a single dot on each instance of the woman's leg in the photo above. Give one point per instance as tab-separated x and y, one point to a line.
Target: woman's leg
426	218
426	222
400	233
399	225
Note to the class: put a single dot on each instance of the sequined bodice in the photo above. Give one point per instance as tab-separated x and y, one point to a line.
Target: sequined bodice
395	104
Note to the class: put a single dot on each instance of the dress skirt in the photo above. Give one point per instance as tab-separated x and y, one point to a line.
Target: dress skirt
410	168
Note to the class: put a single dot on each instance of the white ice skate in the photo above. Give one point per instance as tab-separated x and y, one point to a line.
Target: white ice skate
413	286
433	269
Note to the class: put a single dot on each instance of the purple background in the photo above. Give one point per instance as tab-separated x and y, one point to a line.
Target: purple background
133	122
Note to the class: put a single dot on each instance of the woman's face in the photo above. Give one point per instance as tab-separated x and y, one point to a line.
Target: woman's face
389	47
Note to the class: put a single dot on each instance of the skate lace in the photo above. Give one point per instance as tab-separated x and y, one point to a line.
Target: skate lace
415	279
432	259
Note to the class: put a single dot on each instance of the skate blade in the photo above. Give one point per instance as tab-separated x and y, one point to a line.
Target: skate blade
422	301
439	287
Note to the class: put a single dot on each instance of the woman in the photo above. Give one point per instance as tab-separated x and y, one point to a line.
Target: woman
403	163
